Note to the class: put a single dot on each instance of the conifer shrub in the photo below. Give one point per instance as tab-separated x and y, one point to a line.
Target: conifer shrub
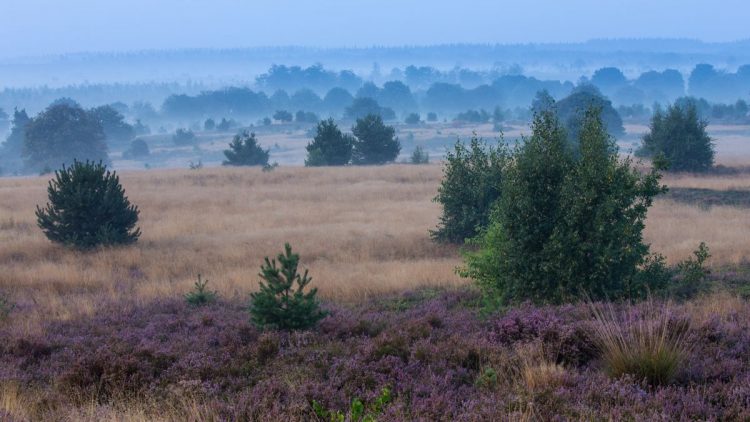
470	187
87	208
200	295
244	150
420	156
282	301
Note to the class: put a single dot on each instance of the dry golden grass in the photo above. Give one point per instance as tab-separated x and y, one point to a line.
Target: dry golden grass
360	231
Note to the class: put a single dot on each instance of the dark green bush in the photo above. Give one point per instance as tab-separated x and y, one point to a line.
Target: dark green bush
329	147
87	207
679	135
375	142
184	137
282	302
565	226
244	150
200	295
471	185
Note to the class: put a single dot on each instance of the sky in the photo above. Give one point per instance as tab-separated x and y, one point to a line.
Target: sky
43	27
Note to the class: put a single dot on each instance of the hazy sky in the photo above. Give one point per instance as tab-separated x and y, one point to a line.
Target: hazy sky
32	27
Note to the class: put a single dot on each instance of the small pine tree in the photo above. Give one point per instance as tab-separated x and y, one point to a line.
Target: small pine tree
281	301
200	295
330	147
420	156
87	207
375	142
244	150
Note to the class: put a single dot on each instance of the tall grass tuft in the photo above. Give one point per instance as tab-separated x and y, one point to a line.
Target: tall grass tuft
649	345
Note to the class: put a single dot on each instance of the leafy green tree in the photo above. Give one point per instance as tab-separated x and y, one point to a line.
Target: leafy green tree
412	119
330	147
566	226
472	176
283	116
61	134
572	109
679	135
113	124
11	150
244	150
282	301
138	149
375	142
87	207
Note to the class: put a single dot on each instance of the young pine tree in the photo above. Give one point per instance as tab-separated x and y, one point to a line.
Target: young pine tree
87	207
244	150
330	147
282	302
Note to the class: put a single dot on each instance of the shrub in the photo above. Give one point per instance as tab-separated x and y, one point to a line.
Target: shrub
432	117
691	275
470	186
358	412
183	137
565	226
420	156
244	150
375	142
329	147
200	295
412	119
679	135
281	301
305	117
209	124
138	149
5	307
650	345
282	116
87	207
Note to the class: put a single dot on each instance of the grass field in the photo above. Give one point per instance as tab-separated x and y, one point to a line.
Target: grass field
360	231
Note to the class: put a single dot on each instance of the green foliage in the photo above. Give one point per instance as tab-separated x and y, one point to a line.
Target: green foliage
471	184
572	110
487	379
412	119
244	150
209	124
420	156
200	295
61	134
113	124
432	117
281	302
691	275
375	142
283	116
329	147
679	135
5	307
565	226
138	149
87	207
183	137
358	411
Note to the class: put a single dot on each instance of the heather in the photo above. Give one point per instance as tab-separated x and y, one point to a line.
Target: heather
439	357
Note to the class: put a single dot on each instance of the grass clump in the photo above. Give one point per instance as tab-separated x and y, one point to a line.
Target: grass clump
200	295
650	345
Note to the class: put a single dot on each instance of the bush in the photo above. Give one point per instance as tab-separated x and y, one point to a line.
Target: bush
432	117
375	142
283	116
420	156
412	119
305	117
470	186
244	150
138	149
565	226
5	307
329	147
183	137
691	275
679	135
650	345
209	124
281	302
200	295
87	207
358	412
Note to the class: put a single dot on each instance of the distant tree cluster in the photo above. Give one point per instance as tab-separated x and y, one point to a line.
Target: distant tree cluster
372	142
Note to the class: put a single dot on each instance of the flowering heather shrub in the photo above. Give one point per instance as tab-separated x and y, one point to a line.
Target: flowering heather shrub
432	351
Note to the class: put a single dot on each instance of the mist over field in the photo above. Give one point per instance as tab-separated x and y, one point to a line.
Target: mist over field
368	211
